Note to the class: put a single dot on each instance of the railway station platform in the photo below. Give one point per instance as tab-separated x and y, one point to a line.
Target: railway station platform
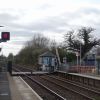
4	87
21	90
15	88
87	75
97	77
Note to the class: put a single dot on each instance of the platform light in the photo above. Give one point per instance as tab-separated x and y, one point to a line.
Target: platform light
5	36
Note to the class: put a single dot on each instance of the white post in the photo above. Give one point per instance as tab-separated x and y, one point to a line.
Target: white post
95	59
80	54
77	61
77	57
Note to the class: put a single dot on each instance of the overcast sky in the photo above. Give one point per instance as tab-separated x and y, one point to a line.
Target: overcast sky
53	18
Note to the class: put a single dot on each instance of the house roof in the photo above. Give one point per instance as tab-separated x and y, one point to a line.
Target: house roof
47	54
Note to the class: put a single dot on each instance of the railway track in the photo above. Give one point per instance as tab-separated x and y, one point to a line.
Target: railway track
51	87
23	69
42	90
66	92
78	83
82	90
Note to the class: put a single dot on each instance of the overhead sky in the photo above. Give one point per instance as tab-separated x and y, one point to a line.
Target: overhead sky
53	18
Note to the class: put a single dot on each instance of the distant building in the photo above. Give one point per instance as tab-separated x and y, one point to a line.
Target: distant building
89	60
47	61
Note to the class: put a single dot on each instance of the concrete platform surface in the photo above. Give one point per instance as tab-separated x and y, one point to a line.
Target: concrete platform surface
4	87
20	90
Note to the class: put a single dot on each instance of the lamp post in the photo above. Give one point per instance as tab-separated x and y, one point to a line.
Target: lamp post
80	54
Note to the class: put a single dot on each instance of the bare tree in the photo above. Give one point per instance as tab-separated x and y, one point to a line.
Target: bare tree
83	38
32	49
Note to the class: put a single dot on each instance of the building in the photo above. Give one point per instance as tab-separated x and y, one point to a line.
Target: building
89	60
47	61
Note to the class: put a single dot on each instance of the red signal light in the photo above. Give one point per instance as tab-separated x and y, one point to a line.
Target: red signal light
5	35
